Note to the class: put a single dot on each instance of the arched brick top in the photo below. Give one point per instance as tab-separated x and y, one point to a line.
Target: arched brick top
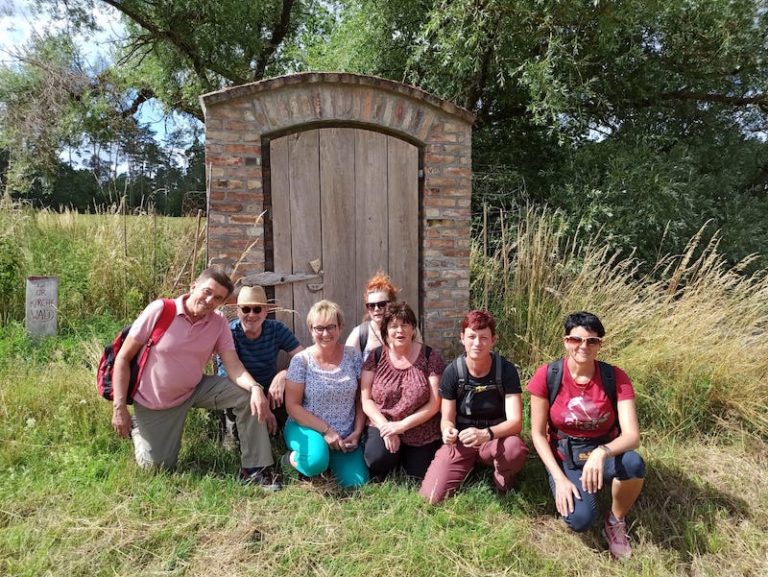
241	120
335	78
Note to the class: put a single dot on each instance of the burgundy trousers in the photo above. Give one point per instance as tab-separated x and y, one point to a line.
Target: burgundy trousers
453	464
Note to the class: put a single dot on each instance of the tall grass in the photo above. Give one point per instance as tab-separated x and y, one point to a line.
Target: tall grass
106	263
691	334
72	502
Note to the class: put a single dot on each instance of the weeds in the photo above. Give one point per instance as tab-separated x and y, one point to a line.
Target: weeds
72	502
691	334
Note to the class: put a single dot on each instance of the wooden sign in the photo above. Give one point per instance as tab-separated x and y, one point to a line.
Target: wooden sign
42	305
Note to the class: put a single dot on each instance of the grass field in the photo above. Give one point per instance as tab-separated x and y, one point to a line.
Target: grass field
73	503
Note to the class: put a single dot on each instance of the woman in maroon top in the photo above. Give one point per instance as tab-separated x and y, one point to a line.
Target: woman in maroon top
585	439
399	393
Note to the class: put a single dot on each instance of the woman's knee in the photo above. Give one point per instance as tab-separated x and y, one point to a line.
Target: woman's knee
582	517
514	454
632	466
350	469
312	462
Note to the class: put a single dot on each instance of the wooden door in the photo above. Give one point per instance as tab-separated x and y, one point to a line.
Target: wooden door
347	199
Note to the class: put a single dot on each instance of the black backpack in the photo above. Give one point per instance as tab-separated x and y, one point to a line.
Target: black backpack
465	389
607	374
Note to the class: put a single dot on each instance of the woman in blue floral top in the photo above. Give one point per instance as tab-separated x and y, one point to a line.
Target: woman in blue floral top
322	397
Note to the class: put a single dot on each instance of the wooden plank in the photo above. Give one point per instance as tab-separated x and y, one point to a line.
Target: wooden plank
306	239
281	225
337	209
370	206
403	209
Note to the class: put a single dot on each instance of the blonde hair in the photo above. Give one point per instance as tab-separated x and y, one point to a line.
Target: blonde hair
325	308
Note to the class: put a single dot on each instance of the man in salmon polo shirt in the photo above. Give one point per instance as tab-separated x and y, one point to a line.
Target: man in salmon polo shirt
173	382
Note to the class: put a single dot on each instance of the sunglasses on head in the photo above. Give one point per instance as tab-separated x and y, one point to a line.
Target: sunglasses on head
257	309
590	341
378	305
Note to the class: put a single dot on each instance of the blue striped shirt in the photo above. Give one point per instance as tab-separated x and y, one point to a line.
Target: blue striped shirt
260	355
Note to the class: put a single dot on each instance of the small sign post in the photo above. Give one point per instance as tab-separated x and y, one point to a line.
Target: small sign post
42	305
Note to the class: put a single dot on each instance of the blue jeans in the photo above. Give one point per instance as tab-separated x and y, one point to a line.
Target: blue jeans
629	465
313	456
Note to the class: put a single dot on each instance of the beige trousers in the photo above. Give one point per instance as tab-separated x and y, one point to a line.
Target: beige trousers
157	434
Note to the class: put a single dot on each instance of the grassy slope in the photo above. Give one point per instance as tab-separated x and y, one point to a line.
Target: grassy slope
73	503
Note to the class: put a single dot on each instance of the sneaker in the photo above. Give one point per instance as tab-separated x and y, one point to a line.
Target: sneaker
616	534
265	477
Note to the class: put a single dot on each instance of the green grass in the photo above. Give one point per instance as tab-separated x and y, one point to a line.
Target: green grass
72	501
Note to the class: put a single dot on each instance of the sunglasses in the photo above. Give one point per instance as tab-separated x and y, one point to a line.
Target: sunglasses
379	305
247	310
590	341
320	329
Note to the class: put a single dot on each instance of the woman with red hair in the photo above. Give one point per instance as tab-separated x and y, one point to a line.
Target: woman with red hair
482	414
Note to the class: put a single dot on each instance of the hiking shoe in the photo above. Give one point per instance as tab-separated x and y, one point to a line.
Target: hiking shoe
265	477
616	534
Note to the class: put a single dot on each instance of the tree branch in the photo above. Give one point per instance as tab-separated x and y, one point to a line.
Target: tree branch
280	28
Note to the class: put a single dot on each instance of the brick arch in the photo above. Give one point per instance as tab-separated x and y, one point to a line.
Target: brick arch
242	119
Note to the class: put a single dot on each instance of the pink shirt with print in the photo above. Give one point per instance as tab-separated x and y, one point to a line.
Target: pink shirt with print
176	365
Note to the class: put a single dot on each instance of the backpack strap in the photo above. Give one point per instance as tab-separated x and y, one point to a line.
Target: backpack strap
497	380
554	379
377	352
362	336
163	323
608	376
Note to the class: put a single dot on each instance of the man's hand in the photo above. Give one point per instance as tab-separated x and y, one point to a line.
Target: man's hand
277	390
259	404
121	420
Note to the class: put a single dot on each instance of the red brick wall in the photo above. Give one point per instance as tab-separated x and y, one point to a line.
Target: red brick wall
237	118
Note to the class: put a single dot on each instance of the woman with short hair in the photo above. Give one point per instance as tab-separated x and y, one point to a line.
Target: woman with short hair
322	397
399	392
482	415
584	427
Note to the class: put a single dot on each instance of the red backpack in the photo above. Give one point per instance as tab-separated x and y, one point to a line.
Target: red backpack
105	371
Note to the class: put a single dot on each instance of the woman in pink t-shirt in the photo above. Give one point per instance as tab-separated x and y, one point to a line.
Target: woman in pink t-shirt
584	438
399	393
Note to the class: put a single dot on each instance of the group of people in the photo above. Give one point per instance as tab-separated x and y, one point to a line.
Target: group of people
385	401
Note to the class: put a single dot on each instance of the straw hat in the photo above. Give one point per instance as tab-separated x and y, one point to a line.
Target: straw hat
252	295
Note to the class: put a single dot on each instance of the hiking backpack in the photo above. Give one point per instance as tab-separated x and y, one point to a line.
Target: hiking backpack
607	374
466	389
106	368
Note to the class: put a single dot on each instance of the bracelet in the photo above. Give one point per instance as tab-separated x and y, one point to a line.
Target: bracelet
490	432
606	450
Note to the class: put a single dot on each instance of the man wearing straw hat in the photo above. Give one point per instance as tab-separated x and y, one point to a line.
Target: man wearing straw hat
258	341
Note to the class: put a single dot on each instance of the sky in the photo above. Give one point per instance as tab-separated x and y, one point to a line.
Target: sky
18	24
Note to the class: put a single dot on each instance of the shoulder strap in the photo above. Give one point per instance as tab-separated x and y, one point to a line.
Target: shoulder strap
497	380
162	324
164	321
608	376
362	336
377	352
554	379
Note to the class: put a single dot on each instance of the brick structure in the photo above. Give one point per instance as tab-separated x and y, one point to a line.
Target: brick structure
240	122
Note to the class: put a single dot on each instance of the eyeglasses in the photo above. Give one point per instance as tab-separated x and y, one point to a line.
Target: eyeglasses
247	310
320	329
590	341
379	305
